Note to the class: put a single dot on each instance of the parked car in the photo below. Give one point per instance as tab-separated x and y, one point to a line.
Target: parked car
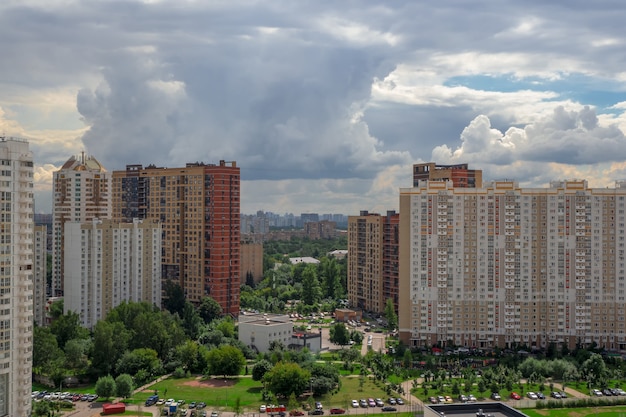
316	412
337	411
515	396
433	400
449	399
495	396
363	402
192	404
296	413
531	395
471	398
400	401
262	408
563	394
318	406
555	395
596	392
214	414
463	398
379	402
389	408
540	395
355	404
391	401
371	402
607	392
200	405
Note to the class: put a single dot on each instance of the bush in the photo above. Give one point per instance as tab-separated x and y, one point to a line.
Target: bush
179	372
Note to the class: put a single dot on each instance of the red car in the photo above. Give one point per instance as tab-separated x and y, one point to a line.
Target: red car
294	413
337	411
515	396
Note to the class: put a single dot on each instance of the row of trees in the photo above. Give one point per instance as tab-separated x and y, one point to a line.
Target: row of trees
135	339
286	373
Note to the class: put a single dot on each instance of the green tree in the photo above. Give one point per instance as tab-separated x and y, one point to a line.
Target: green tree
191	320
105	386
594	370
137	360
390	315
110	341
67	327
339	334
209	309
286	378
45	348
76	353
260	369
187	355
42	409
311	292
225	360
124	385
226	326
174	300
56	309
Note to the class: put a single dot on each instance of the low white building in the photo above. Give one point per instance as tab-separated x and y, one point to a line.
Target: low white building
259	330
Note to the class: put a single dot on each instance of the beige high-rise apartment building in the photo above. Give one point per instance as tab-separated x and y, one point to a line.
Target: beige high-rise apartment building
81	193
108	263
40	269
198	207
372	260
503	265
16	277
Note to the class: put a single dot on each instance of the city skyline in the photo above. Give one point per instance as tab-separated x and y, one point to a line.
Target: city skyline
325	106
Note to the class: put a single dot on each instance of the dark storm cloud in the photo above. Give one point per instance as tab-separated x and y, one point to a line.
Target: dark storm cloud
344	96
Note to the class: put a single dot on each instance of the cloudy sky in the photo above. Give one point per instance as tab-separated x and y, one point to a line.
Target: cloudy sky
325	105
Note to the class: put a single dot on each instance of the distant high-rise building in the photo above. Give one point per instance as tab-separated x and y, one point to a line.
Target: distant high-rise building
107	263
459	174
324	229
372	260
16	277
82	192
40	270
198	207
502	265
251	261
309	217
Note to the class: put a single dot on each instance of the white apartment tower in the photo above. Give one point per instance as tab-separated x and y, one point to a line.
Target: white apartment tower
82	192
107	263
16	280
40	265
503	265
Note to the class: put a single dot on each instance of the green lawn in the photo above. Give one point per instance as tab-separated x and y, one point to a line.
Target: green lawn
577	412
249	393
223	396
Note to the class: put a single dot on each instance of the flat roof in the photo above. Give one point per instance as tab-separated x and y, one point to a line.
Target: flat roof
480	409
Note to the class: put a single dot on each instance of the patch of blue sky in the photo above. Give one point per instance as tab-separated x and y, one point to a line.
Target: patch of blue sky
600	93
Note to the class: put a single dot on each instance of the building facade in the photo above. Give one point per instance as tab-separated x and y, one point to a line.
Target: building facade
391	253
372	260
81	193
259	331
503	265
324	229
251	262
40	269
108	263
460	175
16	277
198	207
